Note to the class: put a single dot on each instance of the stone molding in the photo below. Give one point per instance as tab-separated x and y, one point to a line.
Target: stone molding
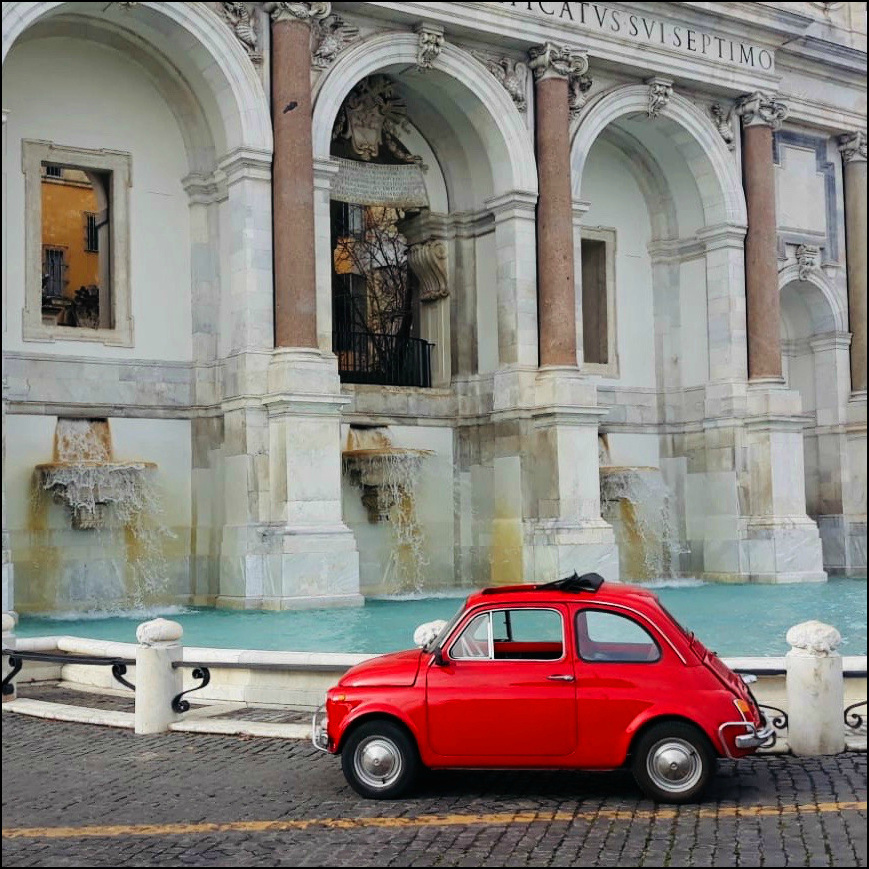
761	108
331	36
556	61
853	147
307	12
830	341
430	263
430	44
660	91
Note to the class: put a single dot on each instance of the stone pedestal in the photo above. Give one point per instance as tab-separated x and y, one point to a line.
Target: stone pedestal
782	543
815	689
854	489
309	556
157	681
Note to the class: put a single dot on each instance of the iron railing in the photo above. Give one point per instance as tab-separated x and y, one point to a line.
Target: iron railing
385	360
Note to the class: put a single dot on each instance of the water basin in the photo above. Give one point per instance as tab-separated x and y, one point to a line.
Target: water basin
734	620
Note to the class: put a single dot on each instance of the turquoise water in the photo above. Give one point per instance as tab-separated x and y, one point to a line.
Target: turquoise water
730	619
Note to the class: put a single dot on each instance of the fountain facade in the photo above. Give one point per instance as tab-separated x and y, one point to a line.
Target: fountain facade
96	540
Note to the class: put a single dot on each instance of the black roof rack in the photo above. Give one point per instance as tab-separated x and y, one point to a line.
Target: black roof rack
575	584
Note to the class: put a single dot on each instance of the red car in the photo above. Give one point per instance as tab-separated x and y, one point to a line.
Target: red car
575	674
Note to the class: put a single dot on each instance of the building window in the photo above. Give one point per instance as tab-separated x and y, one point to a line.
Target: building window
598	245
77	280
91	238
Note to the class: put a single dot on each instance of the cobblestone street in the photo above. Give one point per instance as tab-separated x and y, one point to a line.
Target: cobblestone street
79	795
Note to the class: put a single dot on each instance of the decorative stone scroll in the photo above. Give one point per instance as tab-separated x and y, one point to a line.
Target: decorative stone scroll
660	91
429	262
761	108
578	87
331	36
808	259
512	74
724	123
853	146
298	11
238	17
399	186
431	42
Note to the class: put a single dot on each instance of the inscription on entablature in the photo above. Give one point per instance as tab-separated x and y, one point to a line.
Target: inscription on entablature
680	38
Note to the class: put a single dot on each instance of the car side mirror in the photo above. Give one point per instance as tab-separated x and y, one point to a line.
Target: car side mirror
439	657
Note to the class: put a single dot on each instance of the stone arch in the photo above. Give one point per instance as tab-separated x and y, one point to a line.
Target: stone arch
711	163
512	149
825	309
208	63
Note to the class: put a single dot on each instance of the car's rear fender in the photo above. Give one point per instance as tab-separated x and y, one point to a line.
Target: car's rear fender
658	716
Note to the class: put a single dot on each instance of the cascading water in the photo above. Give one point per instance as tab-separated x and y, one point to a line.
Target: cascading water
106	497
638	504
388	477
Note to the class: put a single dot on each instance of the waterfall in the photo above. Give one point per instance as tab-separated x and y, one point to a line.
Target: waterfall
638	504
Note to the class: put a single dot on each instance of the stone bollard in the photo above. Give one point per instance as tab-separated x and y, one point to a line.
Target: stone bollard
157	681
10	619
815	690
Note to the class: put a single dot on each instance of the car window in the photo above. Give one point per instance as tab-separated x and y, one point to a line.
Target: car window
521	634
605	637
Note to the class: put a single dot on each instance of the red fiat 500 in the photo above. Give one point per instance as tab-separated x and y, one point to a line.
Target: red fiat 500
575	674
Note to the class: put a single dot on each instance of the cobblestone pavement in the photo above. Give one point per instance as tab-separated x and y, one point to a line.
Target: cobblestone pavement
80	795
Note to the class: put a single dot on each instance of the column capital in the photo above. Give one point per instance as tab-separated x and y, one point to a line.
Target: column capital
307	12
556	61
761	108
853	147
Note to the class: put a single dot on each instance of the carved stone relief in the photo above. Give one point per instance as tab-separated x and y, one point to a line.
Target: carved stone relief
512	74
724	123
853	146
660	91
428	259
808	259
578	86
238	17
761	108
431	42
298	11
372	116
330	37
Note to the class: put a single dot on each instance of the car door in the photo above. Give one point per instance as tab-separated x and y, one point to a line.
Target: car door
505	689
623	666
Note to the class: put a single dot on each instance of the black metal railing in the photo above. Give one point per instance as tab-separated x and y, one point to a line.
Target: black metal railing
385	360
17	659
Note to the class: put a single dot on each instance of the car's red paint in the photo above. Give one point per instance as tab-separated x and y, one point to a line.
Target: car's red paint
553	703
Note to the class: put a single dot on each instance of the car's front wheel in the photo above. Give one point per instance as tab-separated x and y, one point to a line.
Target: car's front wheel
673	762
380	760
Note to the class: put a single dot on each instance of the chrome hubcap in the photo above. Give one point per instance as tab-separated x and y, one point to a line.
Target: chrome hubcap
674	765
378	762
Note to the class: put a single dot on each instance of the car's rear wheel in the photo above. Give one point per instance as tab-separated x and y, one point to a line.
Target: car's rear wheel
673	762
380	760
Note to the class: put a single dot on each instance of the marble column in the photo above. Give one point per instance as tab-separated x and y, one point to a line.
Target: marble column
761	114
853	148
293	173
553	67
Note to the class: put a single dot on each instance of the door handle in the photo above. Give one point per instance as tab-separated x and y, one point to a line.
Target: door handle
559	678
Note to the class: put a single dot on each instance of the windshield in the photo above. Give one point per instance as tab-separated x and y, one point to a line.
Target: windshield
431	645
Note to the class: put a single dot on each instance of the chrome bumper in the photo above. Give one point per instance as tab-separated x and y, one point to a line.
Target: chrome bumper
319	730
755	738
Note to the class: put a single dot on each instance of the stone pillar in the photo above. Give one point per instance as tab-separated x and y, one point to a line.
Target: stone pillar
553	66
815	690
761	114
293	173
157	681
8	586
853	148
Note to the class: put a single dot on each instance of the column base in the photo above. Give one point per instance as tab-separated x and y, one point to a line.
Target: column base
782	551
556	548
